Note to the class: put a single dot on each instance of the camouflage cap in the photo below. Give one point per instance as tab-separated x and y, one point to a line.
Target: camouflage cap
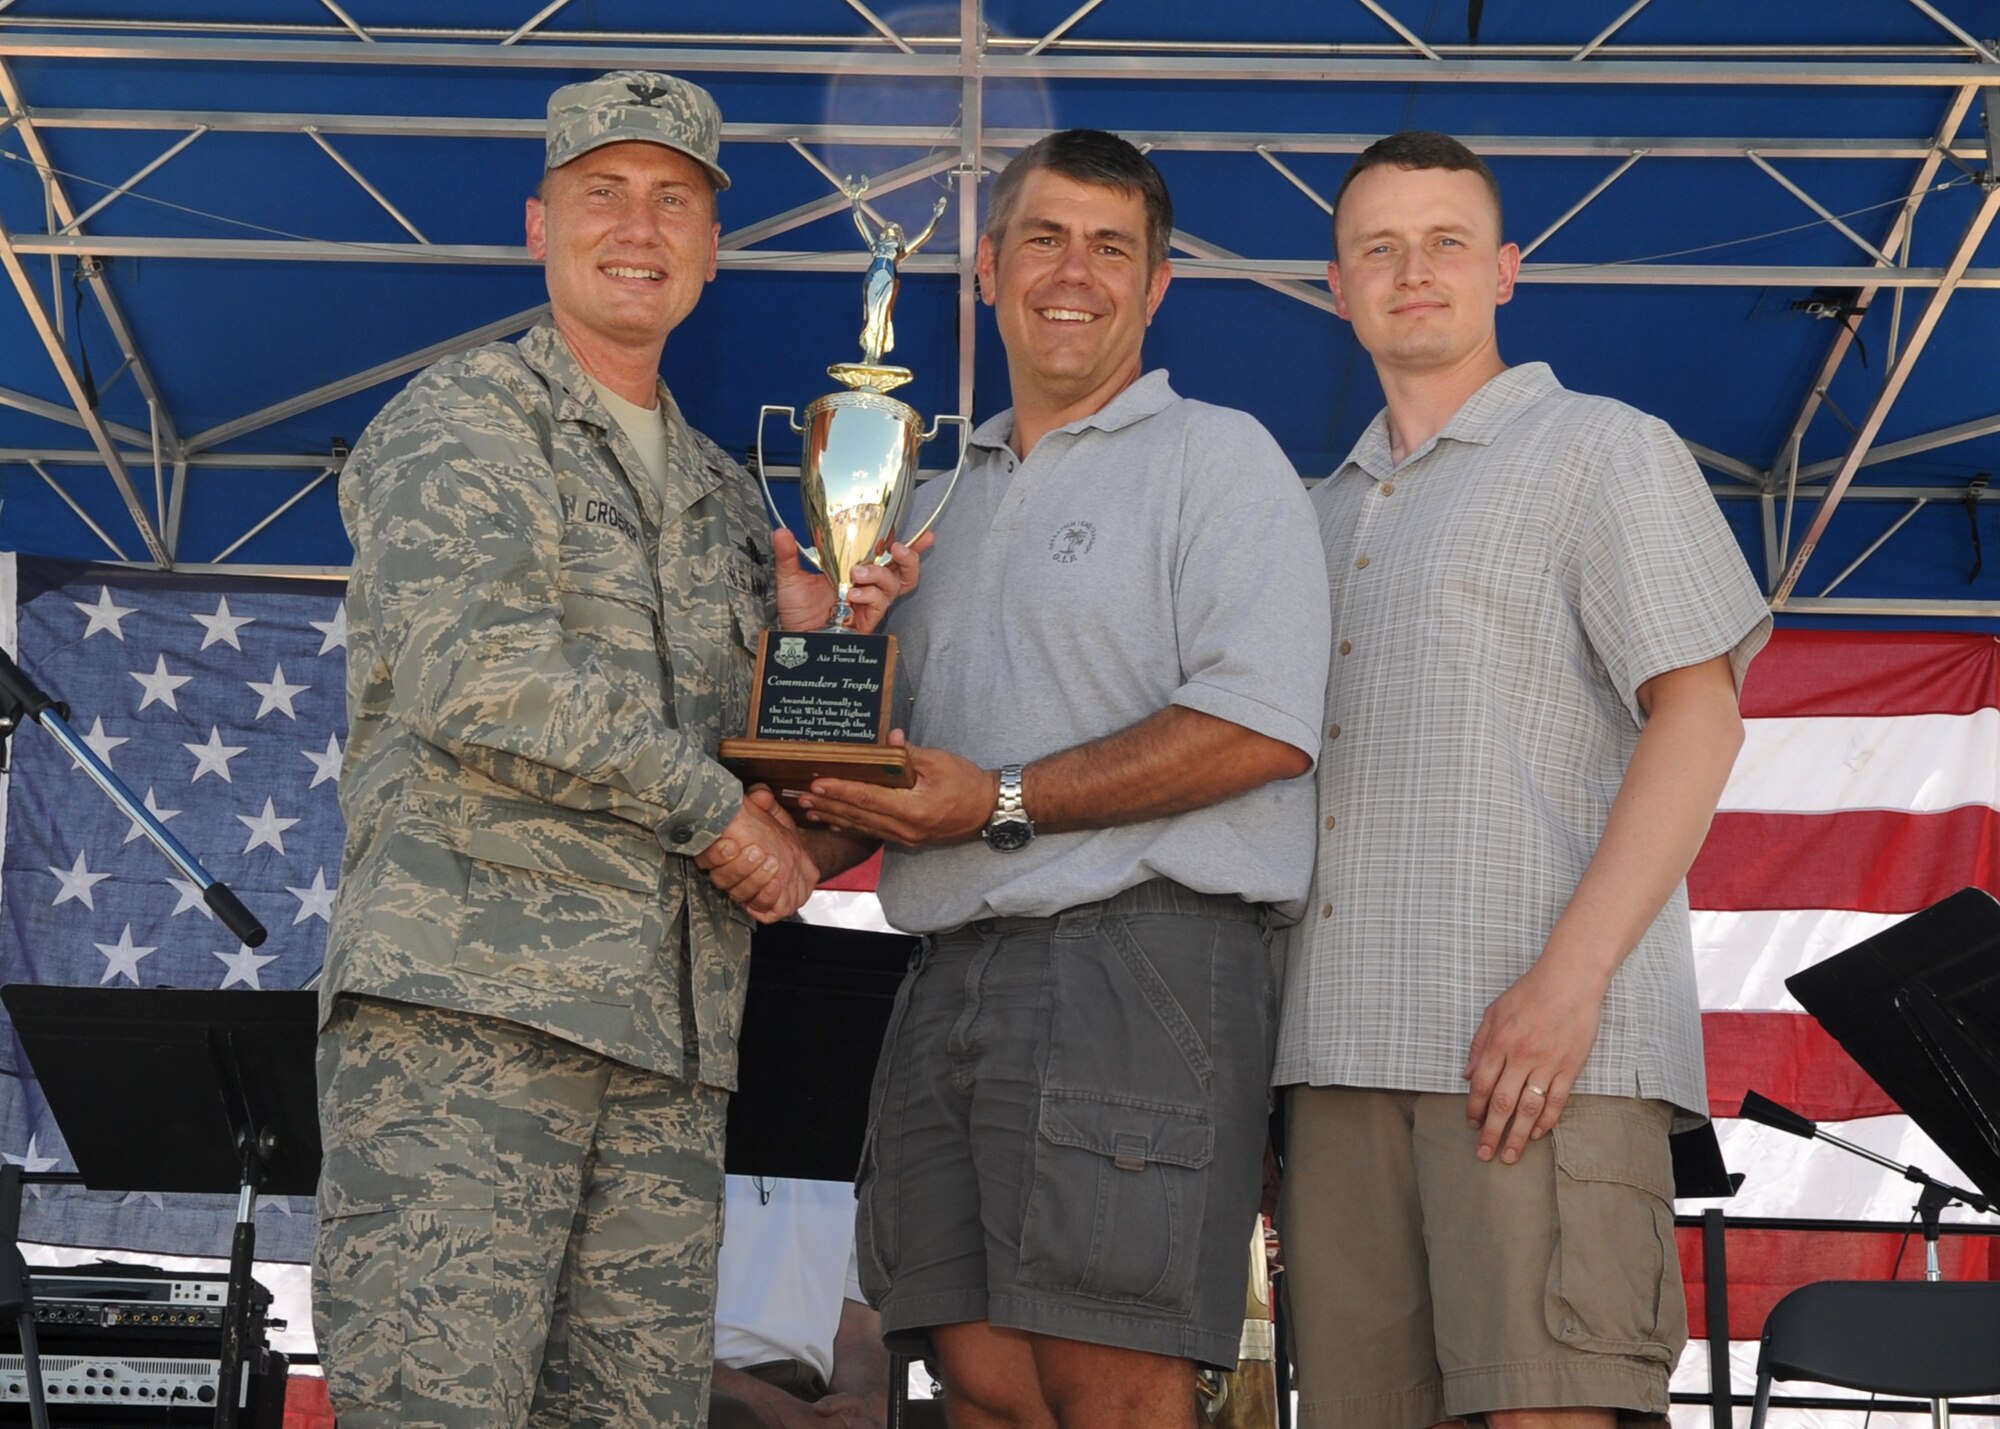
633	104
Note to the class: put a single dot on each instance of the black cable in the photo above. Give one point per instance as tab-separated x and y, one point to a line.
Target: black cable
82	347
1973	491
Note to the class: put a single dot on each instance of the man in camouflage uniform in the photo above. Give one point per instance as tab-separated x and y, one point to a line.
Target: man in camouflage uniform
533	981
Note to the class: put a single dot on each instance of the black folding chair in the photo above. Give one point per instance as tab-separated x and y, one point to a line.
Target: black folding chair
1935	1340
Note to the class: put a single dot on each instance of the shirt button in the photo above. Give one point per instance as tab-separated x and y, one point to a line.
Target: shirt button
1347	647
1388	488
1326	910
1333	731
681	833
1360	563
1329	821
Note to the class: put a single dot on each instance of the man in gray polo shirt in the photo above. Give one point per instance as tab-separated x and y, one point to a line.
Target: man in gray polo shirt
1117	661
1490	1015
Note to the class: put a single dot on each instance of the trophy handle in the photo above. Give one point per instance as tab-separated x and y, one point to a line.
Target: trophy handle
964	443
791	417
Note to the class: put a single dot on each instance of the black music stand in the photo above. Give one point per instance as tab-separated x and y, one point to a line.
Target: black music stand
1918	1007
813	1022
229	1104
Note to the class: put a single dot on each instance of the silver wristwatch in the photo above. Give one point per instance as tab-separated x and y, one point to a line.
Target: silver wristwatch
1010	827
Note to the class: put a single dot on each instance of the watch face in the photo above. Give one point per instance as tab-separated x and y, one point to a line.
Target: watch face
1009	836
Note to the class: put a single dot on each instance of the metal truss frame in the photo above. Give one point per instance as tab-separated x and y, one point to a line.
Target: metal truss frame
856	41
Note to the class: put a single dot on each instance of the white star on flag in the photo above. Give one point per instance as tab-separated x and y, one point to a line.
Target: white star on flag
121	959
153	808
213	757
145	1198
191	897
77	883
314	902
160	685
243	965
266	828
335	630
222	625
105	615
277	694
33	1161
100	743
325	766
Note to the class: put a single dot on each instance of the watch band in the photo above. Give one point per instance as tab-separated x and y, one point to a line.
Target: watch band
1010	807
1010	827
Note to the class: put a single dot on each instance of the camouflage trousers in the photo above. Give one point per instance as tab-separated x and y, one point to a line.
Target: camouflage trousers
513	1231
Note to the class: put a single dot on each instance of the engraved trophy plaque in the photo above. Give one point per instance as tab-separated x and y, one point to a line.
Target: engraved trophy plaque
822	701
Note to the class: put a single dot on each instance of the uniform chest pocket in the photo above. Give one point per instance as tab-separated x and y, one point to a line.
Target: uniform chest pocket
611	613
603	542
748	618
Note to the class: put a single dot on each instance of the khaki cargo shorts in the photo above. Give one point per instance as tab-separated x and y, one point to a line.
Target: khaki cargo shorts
1422	1284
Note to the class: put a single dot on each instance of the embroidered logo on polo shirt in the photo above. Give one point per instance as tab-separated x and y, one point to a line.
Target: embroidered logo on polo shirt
1072	541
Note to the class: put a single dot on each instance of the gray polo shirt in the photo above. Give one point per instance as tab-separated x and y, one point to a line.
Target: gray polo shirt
1159	552
1498	599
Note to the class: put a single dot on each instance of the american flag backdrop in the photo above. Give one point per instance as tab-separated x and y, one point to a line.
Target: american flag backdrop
1868	788
221	702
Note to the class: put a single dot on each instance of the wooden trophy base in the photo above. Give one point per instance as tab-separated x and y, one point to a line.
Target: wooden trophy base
790	765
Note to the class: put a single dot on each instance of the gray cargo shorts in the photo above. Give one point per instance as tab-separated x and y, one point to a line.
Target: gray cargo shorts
1068	1125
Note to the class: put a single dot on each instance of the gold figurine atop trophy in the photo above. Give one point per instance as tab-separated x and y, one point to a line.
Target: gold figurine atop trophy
822	700
878	295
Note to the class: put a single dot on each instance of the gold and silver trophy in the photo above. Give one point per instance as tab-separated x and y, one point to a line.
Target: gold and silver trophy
823	699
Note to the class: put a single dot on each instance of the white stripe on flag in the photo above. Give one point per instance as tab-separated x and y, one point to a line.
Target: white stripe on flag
832	909
1741	959
1920	763
1691	1377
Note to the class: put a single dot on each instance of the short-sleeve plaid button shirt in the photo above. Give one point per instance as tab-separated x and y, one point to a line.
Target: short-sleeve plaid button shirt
1498	599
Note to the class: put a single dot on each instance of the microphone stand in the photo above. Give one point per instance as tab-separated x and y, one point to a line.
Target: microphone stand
20	696
1931	1200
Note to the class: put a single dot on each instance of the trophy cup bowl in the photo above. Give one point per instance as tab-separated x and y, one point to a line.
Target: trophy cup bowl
823	699
856	476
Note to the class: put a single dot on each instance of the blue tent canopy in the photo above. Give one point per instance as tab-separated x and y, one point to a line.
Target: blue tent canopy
230	236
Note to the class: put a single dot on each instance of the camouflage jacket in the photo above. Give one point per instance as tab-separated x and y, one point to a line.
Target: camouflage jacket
544	647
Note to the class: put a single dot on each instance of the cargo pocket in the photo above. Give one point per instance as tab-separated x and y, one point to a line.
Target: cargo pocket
1615	1280
534	918
876	1220
1116	1200
403	1292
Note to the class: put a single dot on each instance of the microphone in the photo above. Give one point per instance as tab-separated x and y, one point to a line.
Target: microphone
1762	1109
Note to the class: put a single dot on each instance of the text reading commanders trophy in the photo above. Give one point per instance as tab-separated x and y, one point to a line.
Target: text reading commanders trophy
822	701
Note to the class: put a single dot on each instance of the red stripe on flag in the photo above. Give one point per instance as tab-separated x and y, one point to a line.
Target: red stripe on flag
861	878
1870	860
1789	1058
1765	1266
1805	673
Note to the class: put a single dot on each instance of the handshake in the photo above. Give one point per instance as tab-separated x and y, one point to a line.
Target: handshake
760	861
